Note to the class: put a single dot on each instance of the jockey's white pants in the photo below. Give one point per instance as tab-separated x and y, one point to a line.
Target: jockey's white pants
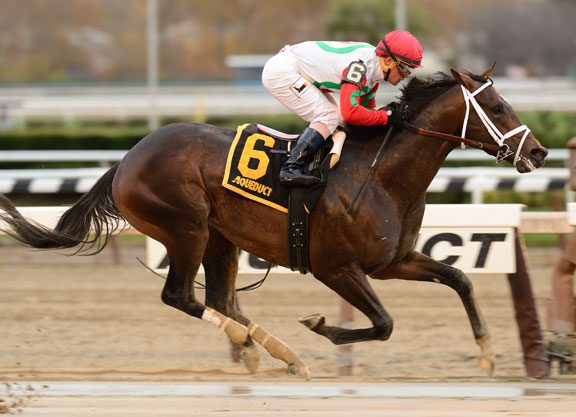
282	78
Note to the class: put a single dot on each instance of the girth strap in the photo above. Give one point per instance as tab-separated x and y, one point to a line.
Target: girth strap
298	231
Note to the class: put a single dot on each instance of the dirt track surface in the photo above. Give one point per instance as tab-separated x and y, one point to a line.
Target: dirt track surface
87	319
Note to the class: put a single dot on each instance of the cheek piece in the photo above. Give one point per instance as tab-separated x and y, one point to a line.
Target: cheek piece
387	74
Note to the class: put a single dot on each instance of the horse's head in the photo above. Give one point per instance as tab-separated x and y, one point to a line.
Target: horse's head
489	118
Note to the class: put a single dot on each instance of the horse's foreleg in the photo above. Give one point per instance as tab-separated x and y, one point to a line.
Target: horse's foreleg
351	284
419	267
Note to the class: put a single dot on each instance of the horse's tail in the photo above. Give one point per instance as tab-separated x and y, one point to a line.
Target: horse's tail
88	224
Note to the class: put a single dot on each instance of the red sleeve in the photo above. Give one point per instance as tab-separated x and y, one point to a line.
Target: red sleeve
352	110
372	97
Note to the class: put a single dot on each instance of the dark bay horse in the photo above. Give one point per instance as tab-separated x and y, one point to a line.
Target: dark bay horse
169	187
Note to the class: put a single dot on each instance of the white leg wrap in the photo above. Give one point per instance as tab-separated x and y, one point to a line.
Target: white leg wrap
237	332
209	316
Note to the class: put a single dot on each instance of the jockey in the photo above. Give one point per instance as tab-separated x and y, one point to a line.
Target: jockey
302	76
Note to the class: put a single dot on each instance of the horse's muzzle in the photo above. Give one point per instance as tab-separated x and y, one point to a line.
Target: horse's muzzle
539	154
532	159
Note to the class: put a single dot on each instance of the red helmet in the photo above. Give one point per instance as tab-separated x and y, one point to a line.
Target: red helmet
402	46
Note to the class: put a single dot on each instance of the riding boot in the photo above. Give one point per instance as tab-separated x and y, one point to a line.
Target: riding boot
292	171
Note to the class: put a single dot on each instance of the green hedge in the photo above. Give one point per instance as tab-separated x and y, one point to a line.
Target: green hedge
109	136
553	129
73	139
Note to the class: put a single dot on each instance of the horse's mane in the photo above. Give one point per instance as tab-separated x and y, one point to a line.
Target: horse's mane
416	95
420	91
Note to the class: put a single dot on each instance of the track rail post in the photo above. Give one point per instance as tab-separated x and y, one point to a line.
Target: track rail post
535	358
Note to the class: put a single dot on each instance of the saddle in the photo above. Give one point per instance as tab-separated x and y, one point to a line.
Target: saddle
254	161
334	143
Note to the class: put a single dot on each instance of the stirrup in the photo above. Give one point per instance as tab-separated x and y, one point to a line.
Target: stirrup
289	177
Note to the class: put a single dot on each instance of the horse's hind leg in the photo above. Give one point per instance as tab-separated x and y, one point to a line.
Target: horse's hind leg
221	268
419	267
186	249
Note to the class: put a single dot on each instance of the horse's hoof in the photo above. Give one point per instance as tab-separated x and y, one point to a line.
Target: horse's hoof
300	371
312	321
487	365
250	358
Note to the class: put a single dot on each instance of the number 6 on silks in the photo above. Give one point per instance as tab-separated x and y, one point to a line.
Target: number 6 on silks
355	73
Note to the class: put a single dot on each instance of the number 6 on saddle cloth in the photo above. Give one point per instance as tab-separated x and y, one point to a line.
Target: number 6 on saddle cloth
254	160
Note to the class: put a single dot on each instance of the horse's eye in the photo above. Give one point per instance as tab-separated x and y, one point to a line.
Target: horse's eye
497	109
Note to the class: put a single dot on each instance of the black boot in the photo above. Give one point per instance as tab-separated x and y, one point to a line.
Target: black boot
292	171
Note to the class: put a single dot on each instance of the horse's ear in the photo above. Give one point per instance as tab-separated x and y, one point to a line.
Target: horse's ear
463	79
488	72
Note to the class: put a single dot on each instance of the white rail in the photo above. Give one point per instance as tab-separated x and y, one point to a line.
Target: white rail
77	102
102	156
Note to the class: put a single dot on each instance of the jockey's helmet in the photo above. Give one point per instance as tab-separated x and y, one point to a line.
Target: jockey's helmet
401	46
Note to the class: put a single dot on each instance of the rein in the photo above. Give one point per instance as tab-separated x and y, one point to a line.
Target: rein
359	190
470	142
502	150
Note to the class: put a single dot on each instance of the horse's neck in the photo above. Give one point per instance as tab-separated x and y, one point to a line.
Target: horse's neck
414	160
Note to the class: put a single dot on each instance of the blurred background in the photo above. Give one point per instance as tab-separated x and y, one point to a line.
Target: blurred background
82	81
105	41
100	74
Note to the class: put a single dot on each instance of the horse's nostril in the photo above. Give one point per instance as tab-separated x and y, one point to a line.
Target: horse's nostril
539	153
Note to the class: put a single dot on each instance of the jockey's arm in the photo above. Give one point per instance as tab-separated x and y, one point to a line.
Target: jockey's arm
351	97
369	100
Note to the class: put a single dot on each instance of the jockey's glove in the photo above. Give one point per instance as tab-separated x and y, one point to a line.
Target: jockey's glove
396	117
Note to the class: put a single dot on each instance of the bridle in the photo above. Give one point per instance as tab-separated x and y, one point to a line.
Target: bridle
502	149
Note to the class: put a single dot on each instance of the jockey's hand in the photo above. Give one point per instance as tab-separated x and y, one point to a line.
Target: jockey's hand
396	117
392	106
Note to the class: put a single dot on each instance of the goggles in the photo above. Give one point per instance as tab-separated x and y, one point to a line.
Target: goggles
404	69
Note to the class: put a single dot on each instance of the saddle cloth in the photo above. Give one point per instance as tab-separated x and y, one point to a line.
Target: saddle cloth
255	158
252	167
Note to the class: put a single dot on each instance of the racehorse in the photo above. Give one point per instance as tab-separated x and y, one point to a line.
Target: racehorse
168	186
